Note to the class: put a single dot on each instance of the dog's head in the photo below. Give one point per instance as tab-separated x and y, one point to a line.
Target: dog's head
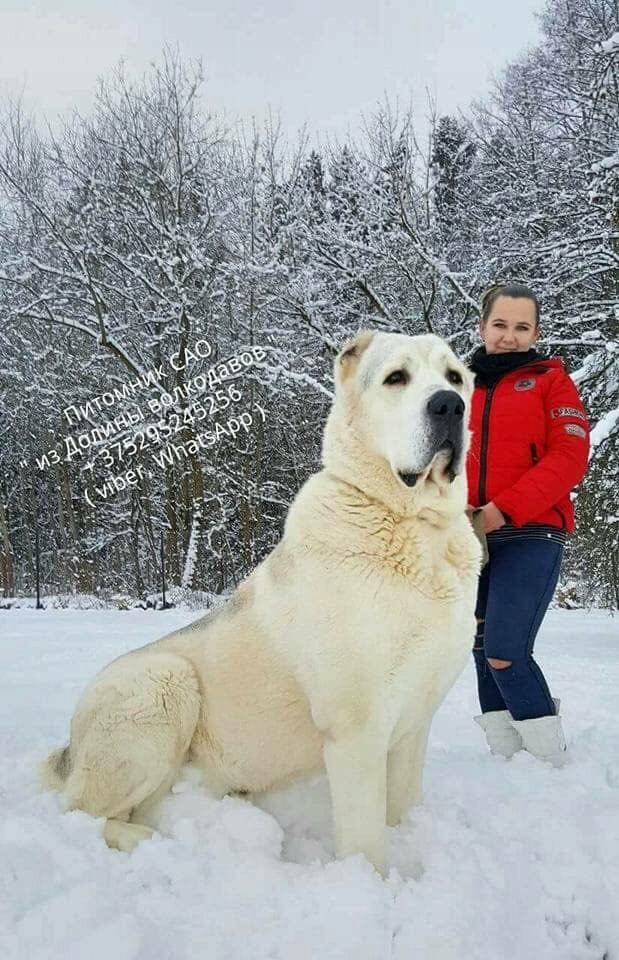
404	400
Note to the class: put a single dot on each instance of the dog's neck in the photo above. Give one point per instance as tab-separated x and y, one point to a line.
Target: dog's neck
373	480
339	522
434	510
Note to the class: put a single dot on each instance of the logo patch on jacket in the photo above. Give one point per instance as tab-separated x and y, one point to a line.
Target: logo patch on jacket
575	430
567	412
527	384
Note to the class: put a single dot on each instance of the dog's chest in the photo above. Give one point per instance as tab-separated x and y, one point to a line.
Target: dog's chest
438	567
385	626
421	657
414	632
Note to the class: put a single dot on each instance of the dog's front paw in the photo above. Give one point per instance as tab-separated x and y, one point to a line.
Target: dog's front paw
125	836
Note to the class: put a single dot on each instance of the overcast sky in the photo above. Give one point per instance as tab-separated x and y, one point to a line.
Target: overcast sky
323	62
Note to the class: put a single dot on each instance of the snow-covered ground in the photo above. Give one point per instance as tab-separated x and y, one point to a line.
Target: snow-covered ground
505	860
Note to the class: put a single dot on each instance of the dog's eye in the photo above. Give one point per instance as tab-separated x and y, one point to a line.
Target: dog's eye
454	377
397	377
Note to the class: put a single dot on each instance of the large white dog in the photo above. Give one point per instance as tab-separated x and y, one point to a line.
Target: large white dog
336	651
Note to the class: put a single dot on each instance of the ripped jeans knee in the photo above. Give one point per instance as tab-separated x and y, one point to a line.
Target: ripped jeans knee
498	664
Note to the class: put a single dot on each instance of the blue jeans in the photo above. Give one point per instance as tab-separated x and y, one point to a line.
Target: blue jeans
515	588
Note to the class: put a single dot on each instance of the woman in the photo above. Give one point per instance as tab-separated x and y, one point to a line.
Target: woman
529	448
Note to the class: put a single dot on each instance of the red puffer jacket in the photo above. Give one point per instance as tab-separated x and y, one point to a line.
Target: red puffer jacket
529	445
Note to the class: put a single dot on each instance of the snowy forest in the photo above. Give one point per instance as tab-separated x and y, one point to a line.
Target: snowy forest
158	266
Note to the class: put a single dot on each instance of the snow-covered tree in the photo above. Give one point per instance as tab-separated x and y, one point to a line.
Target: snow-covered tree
145	226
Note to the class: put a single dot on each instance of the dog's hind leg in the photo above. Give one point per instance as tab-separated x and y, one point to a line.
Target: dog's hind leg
129	738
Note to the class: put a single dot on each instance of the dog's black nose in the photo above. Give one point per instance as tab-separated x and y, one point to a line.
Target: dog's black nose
445	406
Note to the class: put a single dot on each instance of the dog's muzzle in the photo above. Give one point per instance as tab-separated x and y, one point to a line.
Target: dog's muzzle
445	412
445	431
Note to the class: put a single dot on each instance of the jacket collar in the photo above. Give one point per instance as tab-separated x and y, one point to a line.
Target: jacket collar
490	367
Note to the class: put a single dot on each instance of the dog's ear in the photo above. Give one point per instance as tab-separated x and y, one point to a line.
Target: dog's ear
348	358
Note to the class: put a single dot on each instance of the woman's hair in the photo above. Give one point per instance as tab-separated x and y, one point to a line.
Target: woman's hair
509	289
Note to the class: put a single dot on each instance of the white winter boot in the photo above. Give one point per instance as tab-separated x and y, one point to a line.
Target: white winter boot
544	738
501	736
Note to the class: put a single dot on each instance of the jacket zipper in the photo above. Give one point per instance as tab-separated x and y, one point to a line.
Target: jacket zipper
483	452
533	449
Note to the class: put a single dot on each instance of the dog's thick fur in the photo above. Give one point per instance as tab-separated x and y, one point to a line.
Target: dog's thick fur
335	652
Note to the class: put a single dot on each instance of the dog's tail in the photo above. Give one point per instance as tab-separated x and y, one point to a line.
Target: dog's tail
54	771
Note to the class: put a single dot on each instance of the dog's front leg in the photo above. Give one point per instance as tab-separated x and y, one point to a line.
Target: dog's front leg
405	773
357	770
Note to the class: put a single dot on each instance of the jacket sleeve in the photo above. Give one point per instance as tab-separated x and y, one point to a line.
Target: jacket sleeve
563	465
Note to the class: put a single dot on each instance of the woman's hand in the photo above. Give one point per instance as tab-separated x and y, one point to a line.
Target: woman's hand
493	518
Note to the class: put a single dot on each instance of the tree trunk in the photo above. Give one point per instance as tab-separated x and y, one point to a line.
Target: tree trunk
6	552
80	569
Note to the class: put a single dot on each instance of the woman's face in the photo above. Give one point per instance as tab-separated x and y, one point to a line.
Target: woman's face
510	327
